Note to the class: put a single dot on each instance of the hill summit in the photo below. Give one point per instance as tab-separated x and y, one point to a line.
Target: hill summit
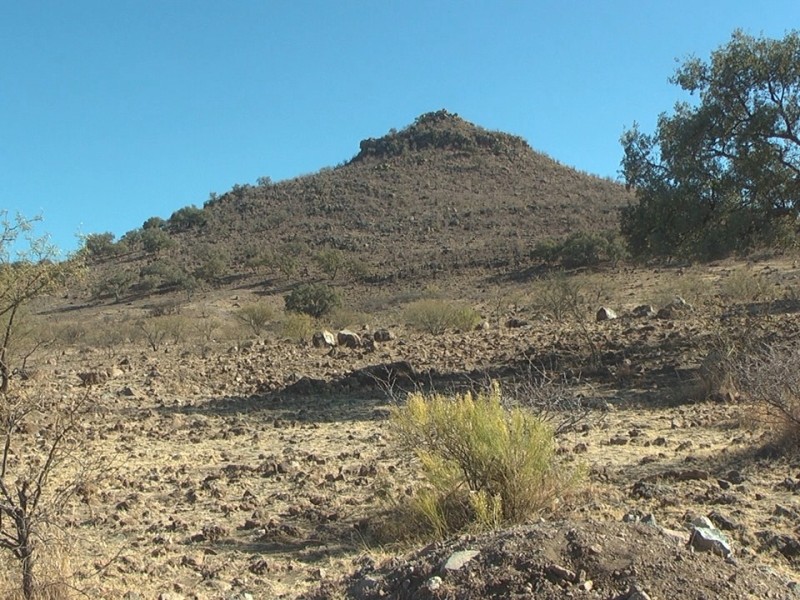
440	130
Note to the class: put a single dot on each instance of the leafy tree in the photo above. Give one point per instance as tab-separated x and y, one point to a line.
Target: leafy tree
154	240
330	261
187	218
213	264
98	245
115	284
27	271
315	300
721	175
154	223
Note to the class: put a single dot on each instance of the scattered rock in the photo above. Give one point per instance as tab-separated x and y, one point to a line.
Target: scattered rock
710	539
434	583
605	314
323	339
348	339
90	378
644	311
515	323
674	309
383	335
458	559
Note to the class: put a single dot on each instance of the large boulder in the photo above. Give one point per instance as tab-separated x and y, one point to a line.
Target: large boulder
348	339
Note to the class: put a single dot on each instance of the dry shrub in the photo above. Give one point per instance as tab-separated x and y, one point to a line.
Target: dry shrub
437	316
164	329
561	297
690	286
767	382
256	316
744	285
54	578
297	326
483	464
346	318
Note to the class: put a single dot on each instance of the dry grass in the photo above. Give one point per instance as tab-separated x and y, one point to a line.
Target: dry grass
437	316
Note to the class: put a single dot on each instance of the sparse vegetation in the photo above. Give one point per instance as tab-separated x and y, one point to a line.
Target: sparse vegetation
744	285
437	316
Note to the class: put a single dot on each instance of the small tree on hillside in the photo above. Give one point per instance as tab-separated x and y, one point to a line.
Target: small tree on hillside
27	271
315	300
723	175
99	245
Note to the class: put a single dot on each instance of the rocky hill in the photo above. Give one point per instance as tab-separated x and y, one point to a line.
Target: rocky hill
439	196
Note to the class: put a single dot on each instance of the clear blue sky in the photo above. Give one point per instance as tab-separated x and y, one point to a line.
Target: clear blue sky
112	111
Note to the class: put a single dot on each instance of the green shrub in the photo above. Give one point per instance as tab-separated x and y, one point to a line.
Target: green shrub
483	464
154	240
437	316
187	218
582	249
330	262
99	245
312	299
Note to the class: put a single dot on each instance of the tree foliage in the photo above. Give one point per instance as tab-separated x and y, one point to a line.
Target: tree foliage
187	217
27	270
315	300
99	245
721	175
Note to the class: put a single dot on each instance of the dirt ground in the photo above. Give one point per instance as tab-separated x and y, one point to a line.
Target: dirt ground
254	470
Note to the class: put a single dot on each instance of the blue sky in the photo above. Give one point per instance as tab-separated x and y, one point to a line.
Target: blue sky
112	111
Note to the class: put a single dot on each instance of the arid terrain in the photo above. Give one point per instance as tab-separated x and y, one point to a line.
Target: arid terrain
217	452
262	466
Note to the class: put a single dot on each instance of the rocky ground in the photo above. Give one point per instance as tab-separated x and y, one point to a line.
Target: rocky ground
258	469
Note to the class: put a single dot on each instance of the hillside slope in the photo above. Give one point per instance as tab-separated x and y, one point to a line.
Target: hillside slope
439	195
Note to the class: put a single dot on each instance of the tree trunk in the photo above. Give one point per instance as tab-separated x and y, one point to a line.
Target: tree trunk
27	574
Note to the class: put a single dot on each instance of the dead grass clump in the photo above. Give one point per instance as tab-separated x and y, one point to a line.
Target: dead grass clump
767	381
483	464
297	326
437	316
53	578
744	285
